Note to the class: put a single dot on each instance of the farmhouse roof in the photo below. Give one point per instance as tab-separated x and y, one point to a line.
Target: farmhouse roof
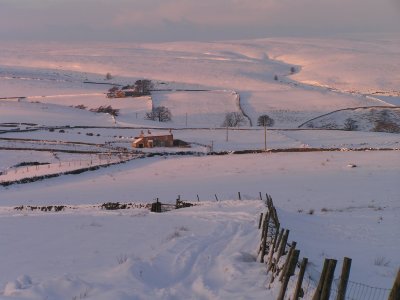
138	139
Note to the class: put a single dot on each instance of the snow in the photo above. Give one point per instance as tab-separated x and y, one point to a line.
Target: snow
363	63
197	109
49	114
336	203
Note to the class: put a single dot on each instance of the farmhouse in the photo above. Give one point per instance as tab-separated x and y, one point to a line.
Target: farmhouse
151	141
140	88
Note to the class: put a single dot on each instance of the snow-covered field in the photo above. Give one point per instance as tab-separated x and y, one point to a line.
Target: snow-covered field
336	203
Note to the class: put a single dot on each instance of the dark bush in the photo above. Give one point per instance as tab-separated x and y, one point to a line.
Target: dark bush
386	126
350	124
107	110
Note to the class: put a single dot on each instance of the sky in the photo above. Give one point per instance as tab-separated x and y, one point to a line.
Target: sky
177	20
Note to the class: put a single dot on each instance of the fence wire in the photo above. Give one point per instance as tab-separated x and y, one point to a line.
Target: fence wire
354	291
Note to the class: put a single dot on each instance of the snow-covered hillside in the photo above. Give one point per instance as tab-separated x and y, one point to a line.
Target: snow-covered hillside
338	194
378	119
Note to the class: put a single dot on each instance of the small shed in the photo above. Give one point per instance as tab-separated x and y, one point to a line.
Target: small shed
150	141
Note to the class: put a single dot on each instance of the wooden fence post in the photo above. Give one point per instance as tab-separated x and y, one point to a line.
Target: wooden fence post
260	222
289	272
395	292
216	198
270	201
264	239
286	264
318	290
298	292
266	216
282	246
261	196
240	198
326	290
344	279
275	217
279	240
272	249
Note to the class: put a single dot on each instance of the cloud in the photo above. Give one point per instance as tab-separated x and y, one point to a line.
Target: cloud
159	20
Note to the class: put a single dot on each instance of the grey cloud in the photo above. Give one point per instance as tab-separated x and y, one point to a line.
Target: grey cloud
170	20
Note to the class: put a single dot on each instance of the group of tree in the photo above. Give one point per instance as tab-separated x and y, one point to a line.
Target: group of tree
233	119
159	113
141	86
144	86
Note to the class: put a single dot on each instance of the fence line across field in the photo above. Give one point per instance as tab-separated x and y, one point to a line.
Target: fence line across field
98	160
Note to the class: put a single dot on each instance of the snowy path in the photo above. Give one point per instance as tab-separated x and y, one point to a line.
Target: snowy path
206	252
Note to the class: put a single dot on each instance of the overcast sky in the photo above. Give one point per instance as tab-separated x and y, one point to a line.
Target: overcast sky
172	20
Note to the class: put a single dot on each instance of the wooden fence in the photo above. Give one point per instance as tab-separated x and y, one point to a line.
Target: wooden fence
282	260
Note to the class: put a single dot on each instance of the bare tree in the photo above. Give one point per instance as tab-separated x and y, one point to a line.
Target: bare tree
159	113
233	119
265	120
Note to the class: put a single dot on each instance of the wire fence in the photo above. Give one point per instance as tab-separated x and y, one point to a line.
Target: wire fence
315	284
355	290
36	171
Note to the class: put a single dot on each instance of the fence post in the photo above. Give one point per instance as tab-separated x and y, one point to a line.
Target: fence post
275	217
260	196
270	201
326	290
395	292
263	224
289	272
318	290
272	249
286	265
240	198
279	240
344	279
264	239
216	198
262	232
282	246
260	222
298	292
